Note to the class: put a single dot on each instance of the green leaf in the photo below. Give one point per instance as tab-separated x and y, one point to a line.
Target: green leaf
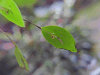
59	37
9	9
20	58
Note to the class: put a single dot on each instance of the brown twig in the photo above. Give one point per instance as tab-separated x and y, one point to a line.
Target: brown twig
33	24
8	37
44	30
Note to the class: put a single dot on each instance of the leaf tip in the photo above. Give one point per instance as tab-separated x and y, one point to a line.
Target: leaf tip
75	50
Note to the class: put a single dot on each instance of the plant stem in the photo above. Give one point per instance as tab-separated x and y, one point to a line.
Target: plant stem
33	24
8	37
44	30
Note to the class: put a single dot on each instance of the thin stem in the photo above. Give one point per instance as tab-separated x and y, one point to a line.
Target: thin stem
44	30
8	37
33	24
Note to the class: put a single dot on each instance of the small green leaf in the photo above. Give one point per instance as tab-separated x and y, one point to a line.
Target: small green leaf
59	37
20	58
9	9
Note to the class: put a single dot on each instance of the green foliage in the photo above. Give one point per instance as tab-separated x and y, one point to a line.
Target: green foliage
20	58
9	9
25	2
59	37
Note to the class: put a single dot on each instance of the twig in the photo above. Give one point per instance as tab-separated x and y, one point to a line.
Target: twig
8	37
33	24
44	30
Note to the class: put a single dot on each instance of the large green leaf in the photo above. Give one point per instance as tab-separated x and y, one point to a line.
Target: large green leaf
9	9
20	58
59	37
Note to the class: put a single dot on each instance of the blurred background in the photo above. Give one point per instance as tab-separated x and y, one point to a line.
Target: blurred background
80	17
